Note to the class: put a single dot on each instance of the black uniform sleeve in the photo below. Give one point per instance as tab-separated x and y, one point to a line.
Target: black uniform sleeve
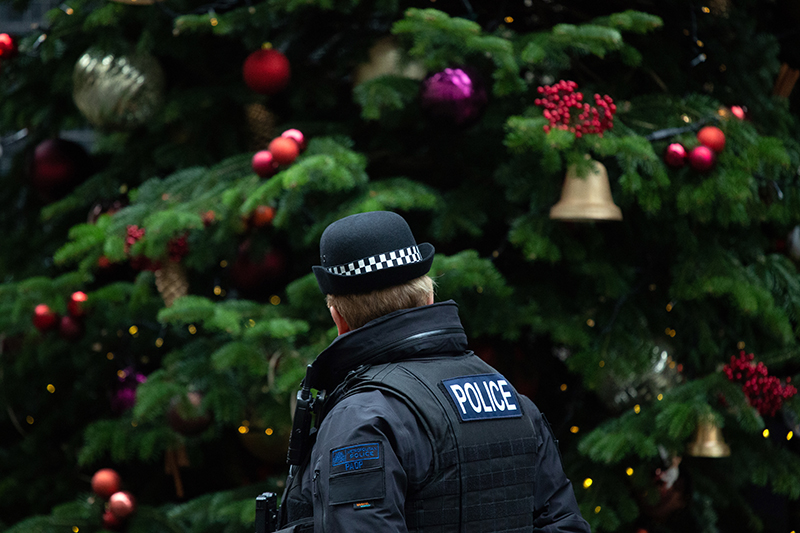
369	450
554	500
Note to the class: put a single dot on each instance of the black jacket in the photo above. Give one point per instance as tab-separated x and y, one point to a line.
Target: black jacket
389	450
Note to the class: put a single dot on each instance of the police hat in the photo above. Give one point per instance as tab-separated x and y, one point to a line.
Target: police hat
368	251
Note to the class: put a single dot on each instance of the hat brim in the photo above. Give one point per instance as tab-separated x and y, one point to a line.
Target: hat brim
330	283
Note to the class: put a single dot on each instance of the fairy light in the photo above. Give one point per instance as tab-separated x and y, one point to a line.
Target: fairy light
110	356
740	345
597	509
574	429
700	43
509	20
789	435
587	483
563	387
217	290
686	118
121	374
637	408
251	323
244	429
51	388
669	307
159	342
223	263
275	299
652	287
629	471
133	330
660	397
214	21
134	423
269	431
29	419
75	529
192	329
765	433
590	323
705	9
602	364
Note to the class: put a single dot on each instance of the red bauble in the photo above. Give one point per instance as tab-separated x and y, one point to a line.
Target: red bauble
186	416
111	521
739	111
284	150
44	318
257	272
675	155
297	136
7	46
262	216
264	164
106	482
122	504
702	158
713	137
75	304
266	71
58	166
70	328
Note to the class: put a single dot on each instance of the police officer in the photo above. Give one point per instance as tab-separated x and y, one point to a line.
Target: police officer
412	431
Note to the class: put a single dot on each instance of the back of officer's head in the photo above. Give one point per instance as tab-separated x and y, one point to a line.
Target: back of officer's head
371	265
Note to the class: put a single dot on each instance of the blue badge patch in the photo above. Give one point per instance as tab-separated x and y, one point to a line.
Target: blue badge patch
356	458
483	397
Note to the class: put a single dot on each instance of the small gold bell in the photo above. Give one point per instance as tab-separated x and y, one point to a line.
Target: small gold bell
708	441
588	198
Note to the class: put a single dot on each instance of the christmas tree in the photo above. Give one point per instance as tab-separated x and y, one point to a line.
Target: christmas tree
610	187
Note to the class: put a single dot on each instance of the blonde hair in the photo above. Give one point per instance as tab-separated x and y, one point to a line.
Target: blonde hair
358	309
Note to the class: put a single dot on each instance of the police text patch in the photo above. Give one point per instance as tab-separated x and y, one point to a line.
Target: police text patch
483	397
356	458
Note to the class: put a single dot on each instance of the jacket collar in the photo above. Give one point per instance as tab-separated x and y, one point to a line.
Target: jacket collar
409	333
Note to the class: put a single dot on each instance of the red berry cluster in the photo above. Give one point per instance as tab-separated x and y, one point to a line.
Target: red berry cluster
178	248
133	234
764	392
559	98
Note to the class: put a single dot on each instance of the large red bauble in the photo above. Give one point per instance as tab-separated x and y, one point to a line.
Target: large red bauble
7	46
264	164
713	137
284	150
702	158
106	482
122	504
57	167
266	71
675	155
186	415
44	318
75	303
70	328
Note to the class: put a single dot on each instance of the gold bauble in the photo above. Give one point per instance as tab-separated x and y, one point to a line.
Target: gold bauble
117	91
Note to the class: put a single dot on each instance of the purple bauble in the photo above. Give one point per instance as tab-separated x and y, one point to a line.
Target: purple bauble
457	95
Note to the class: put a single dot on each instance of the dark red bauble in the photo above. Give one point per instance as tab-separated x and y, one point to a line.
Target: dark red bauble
58	166
75	304
262	216
111	521
266	71
297	136
675	155
252	272
44	319
713	137
106	482
284	150
702	158
122	504
264	164
187	416
70	328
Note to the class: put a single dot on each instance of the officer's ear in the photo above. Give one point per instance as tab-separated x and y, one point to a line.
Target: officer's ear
341	323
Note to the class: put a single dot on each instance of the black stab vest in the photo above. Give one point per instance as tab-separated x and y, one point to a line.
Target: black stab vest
484	470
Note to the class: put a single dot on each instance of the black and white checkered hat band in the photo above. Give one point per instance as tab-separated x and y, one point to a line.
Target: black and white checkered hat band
404	256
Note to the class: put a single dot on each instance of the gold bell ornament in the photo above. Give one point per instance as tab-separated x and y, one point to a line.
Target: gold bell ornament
708	441
586	198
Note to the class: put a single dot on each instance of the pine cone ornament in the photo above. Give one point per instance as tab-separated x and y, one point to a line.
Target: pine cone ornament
261	123
171	282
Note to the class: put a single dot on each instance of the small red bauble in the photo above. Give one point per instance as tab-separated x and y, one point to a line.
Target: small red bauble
264	164
44	318
713	137
7	46
702	158
70	328
106	482
110	521
58	166
297	136
675	155
738	112
75	303
263	215
284	150
122	504
266	71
